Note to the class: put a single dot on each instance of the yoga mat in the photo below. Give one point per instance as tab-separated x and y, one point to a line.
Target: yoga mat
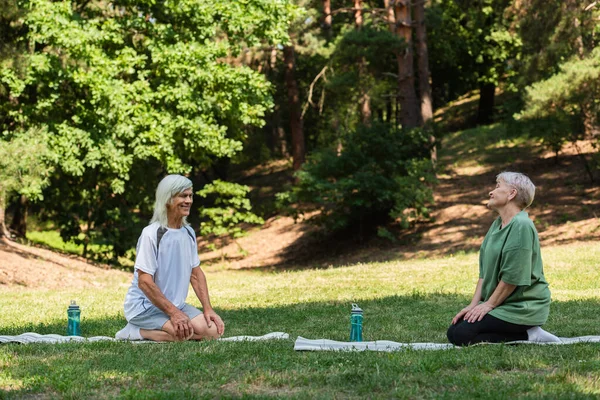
31	337
303	344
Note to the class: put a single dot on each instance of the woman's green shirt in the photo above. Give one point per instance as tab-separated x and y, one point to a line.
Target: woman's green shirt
512	255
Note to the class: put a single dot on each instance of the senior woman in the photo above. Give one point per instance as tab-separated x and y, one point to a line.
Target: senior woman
512	299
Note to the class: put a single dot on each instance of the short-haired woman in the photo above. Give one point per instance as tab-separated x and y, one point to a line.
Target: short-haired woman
512	299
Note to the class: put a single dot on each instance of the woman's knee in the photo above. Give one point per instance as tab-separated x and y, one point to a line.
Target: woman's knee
450	333
460	335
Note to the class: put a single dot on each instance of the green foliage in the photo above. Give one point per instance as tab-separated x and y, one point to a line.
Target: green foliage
470	44
552	34
557	108
130	90
25	164
231	208
380	173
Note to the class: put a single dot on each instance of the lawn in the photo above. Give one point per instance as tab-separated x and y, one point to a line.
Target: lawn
405	301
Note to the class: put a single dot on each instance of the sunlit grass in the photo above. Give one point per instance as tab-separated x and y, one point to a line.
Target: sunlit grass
52	239
411	300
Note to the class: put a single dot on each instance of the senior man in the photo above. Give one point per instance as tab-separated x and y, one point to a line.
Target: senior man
166	263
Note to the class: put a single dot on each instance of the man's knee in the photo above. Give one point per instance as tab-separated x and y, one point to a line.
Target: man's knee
170	330
208	333
202	330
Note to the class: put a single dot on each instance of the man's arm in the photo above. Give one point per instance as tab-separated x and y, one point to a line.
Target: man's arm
181	322
502	291
198	281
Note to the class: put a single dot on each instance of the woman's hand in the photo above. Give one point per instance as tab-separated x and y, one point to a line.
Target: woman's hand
478	312
461	313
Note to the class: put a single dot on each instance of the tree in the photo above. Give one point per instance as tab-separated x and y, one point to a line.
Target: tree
424	75
130	90
230	208
558	108
298	152
25	169
401	22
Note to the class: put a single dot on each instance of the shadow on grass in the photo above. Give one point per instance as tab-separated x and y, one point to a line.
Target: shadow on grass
273	369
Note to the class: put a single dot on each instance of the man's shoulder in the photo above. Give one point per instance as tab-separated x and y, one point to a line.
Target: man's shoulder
151	231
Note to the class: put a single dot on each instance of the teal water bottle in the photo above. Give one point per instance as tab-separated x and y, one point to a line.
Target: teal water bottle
74	314
356	323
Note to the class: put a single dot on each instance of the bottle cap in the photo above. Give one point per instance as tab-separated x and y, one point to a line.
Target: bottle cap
73	305
356	309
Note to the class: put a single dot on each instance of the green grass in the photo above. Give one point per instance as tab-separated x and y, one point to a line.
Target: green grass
403	301
52	239
495	146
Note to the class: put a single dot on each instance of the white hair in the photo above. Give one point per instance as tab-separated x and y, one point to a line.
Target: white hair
169	187
525	188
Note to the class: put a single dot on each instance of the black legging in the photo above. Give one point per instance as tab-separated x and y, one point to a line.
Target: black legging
489	329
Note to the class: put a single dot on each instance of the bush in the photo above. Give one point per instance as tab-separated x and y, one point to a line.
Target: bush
381	174
565	107
231	210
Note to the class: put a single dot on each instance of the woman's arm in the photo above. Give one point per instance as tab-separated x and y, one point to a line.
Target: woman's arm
502	291
474	302
477	295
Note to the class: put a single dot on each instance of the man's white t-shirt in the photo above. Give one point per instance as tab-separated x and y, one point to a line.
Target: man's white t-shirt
169	256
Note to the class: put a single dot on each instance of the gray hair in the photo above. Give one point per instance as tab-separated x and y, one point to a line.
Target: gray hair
169	187
525	188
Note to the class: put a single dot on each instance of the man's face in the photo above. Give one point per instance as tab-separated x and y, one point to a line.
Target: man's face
181	204
501	195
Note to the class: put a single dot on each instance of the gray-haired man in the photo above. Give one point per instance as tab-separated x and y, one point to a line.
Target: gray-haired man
166	263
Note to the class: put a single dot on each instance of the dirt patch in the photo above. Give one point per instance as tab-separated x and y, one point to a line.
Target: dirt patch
32	267
566	209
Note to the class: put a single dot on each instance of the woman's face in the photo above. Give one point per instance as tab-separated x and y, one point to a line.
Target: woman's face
501	195
181	204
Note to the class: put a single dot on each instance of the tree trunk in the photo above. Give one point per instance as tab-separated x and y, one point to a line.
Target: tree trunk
327	20
19	221
400	20
365	99
298	151
487	92
424	74
358	18
277	139
589	123
3	229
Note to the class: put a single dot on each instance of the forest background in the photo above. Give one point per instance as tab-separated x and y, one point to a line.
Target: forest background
99	100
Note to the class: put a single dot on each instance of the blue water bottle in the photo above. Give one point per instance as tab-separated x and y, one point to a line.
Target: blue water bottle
356	323
74	314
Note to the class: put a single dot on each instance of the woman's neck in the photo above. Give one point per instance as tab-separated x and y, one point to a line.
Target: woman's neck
508	213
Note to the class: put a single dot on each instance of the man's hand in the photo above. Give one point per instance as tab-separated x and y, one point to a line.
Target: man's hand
212	317
478	312
461	314
182	325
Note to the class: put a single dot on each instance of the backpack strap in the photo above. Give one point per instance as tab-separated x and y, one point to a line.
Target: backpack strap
159	234
162	230
188	229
